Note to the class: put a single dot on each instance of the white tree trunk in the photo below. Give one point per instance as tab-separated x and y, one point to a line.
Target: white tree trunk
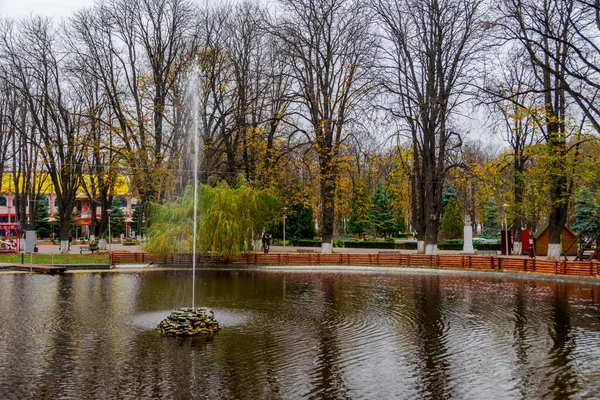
326	248
431	249
421	247
102	244
553	251
517	248
64	246
92	238
468	239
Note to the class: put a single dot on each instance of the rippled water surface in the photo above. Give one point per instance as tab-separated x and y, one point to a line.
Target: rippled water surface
299	335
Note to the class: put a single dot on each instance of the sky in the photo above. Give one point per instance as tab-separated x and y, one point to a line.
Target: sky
51	8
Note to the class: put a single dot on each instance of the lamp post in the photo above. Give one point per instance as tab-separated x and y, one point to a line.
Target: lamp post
109	237
284	218
505	206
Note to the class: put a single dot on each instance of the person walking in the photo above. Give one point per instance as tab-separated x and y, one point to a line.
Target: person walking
266	240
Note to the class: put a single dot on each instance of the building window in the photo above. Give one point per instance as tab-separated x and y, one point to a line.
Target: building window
3	201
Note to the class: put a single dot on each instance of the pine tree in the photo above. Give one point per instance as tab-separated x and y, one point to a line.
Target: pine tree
400	223
448	193
452	224
586	213
491	225
359	205
42	221
300	222
117	218
379	216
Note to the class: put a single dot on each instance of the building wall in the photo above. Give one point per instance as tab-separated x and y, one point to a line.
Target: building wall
541	243
82	213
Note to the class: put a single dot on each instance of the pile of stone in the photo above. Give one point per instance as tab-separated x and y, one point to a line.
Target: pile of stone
189	322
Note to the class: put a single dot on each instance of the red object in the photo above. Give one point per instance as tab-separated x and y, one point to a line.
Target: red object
13	232
525	234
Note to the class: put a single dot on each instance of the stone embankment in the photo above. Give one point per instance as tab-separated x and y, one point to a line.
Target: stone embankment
189	322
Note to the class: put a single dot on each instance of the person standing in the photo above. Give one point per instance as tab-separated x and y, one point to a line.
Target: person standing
266	240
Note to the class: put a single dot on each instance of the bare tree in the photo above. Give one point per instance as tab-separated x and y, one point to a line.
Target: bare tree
140	51
561	37
331	49
544	29
429	52
511	94
102	165
244	93
35	66
8	114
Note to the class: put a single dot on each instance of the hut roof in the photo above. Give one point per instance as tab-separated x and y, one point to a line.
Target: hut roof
544	227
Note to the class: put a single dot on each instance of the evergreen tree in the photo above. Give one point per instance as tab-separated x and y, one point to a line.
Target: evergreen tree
400	223
42	221
586	213
55	226
448	193
300	222
379	216
491	225
117	218
359	205
137	224
452	224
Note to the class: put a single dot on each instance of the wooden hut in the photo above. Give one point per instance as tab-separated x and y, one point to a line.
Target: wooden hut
542	236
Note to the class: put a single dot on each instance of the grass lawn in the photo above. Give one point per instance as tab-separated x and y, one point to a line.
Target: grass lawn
58	258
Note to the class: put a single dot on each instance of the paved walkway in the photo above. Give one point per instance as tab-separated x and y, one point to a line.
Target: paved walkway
55	249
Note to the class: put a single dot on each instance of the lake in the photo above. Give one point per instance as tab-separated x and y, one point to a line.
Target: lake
300	334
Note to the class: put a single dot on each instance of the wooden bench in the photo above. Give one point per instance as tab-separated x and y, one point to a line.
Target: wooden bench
91	248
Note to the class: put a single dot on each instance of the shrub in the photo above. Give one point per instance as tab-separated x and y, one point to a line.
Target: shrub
370	245
453	244
407	245
487	246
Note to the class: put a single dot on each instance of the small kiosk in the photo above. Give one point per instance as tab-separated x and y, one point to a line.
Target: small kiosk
9	238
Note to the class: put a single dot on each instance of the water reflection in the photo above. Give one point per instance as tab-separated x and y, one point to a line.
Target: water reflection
562	371
431	337
299	335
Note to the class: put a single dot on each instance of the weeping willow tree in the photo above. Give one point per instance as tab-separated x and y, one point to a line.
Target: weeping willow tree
229	220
